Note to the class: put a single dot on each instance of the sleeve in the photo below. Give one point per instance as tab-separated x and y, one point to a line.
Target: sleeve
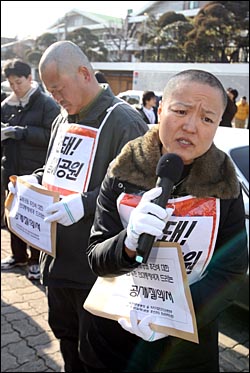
40	135
106	245
228	267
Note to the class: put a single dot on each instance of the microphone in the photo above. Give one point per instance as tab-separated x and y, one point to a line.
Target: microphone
168	170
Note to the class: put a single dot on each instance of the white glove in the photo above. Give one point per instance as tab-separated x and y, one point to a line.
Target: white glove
66	212
148	218
29	178
142	329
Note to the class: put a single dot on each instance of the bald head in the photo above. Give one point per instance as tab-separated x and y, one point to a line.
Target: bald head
68	75
66	56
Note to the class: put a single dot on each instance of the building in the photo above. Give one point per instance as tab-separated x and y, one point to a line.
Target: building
124	47
74	19
157	8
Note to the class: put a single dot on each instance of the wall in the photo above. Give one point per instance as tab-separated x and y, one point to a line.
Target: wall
230	75
119	81
154	76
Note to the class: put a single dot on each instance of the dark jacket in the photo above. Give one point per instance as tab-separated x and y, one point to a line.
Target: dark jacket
144	116
211	295
21	157
71	268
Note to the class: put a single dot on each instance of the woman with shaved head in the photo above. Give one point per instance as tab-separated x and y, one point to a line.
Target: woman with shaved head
204	214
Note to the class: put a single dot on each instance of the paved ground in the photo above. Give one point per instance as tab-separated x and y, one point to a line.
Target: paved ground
28	345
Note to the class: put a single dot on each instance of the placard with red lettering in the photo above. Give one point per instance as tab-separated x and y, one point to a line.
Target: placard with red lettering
194	225
69	165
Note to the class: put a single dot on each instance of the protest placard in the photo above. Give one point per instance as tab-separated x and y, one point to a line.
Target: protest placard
25	213
159	287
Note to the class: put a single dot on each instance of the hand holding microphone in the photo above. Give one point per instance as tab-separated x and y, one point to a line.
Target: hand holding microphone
169	170
148	218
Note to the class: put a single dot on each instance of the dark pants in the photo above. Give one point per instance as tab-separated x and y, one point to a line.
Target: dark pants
19	250
3	197
69	323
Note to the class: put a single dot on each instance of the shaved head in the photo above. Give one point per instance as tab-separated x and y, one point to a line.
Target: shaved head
66	56
194	76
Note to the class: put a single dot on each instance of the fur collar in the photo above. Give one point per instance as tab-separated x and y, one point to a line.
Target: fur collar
212	174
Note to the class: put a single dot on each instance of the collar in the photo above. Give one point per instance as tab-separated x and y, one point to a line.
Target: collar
97	106
211	175
23	101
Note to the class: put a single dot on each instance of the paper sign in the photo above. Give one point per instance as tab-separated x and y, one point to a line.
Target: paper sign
158	288
25	215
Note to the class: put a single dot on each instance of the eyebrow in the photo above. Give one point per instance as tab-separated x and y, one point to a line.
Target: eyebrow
190	106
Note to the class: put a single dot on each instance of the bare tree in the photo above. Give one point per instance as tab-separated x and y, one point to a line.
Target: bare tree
118	38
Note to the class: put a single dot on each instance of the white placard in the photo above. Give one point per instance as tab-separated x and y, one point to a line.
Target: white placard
25	212
158	288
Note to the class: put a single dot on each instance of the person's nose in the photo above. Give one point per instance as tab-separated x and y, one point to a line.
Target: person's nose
14	87
190	123
57	97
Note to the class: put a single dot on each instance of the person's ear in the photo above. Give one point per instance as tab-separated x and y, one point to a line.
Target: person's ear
159	110
84	72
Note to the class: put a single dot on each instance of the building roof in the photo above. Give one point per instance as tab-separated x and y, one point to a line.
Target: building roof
147	7
94	17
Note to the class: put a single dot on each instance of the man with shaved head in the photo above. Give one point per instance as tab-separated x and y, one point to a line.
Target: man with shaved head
90	131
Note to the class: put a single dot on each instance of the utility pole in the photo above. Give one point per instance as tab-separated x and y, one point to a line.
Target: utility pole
65	27
144	37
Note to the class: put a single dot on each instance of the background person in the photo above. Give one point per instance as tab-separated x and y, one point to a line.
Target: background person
148	108
3	191
190	112
242	113
89	108
231	108
100	77
30	112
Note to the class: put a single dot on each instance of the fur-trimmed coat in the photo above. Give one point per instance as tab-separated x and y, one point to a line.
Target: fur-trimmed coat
211	175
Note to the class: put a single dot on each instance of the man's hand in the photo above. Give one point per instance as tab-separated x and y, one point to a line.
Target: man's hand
148	218
18	133
29	178
66	212
142	329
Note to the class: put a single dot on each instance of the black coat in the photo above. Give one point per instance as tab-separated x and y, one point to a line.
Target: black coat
21	157
122	351
144	116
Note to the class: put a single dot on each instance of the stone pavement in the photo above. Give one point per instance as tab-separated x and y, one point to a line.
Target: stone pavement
28	345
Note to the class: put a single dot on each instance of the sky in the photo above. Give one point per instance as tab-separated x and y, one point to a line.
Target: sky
31	18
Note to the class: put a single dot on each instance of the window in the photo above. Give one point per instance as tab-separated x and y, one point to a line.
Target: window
240	156
193	5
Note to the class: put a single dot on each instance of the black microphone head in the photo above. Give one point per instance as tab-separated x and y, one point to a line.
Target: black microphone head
170	165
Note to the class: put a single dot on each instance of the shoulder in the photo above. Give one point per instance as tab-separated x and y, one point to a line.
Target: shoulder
46	97
125	114
48	102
